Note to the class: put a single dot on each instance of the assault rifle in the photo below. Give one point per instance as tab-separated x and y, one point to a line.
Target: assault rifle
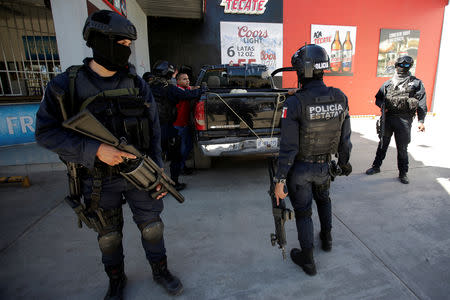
74	197
381	124
75	192
142	172
280	213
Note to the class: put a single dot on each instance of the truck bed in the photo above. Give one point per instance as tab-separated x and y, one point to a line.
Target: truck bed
241	122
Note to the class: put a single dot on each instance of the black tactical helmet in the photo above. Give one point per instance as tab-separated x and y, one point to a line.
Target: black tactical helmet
147	76
406	61
110	24
310	60
163	68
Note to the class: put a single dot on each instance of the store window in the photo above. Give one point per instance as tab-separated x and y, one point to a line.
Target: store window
28	51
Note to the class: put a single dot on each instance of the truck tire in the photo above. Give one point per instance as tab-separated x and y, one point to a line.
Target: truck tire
201	161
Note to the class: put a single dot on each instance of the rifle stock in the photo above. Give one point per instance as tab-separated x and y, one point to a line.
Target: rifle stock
280	213
74	198
145	174
382	123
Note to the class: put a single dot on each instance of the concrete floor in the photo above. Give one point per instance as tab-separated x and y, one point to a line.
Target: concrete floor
391	241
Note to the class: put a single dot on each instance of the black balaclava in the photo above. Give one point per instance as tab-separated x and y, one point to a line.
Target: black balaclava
402	71
108	53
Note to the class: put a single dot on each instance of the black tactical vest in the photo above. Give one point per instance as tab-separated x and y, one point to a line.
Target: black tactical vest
167	112
398	98
321	122
122	110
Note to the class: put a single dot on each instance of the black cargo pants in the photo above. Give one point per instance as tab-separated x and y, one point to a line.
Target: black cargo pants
308	181
400	126
115	189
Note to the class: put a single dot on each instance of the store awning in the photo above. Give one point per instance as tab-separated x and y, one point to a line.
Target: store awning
187	9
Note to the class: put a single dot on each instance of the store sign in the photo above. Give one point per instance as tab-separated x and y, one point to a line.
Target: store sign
119	6
246	43
17	123
248	7
340	44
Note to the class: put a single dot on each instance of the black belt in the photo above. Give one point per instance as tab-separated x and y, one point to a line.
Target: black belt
403	114
315	158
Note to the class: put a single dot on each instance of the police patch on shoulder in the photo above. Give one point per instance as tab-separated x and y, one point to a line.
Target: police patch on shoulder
324	111
284	113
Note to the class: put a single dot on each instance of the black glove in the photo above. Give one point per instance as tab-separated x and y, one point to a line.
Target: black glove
346	169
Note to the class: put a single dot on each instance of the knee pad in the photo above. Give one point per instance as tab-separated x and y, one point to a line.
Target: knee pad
303	213
110	242
152	231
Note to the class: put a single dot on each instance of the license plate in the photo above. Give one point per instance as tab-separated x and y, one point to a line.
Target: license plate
266	143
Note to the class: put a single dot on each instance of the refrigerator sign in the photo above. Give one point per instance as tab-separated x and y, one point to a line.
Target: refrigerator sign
17	123
247	7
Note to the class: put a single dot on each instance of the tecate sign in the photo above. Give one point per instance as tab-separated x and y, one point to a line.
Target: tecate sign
249	7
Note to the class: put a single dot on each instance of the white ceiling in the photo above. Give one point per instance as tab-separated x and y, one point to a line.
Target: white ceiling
188	9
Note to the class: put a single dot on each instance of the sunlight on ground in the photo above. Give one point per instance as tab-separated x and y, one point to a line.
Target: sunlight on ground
430	147
445	183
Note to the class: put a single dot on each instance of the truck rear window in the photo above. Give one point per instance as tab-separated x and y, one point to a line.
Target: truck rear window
242	77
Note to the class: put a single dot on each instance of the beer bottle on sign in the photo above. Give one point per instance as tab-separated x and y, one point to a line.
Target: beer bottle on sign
347	54
336	53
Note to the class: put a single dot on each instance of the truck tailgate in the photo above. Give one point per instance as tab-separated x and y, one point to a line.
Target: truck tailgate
240	111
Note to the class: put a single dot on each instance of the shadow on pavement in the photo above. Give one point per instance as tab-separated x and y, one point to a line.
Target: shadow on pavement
391	241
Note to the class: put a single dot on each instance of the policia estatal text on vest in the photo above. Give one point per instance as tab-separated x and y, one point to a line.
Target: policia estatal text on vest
315	126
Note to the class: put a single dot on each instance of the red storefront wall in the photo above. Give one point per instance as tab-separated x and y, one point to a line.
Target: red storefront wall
369	17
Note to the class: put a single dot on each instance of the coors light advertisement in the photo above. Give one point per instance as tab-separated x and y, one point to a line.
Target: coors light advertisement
247	43
339	42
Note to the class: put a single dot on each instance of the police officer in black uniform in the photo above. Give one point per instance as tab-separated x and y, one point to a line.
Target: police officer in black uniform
315	125
401	96
107	85
167	97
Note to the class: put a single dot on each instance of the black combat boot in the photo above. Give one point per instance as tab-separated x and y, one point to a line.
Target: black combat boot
326	239
373	170
179	186
403	178
163	277
305	260
117	282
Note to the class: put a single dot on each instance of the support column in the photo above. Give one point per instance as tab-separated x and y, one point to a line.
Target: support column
69	18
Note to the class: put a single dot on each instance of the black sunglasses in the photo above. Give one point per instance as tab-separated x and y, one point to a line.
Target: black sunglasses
404	65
